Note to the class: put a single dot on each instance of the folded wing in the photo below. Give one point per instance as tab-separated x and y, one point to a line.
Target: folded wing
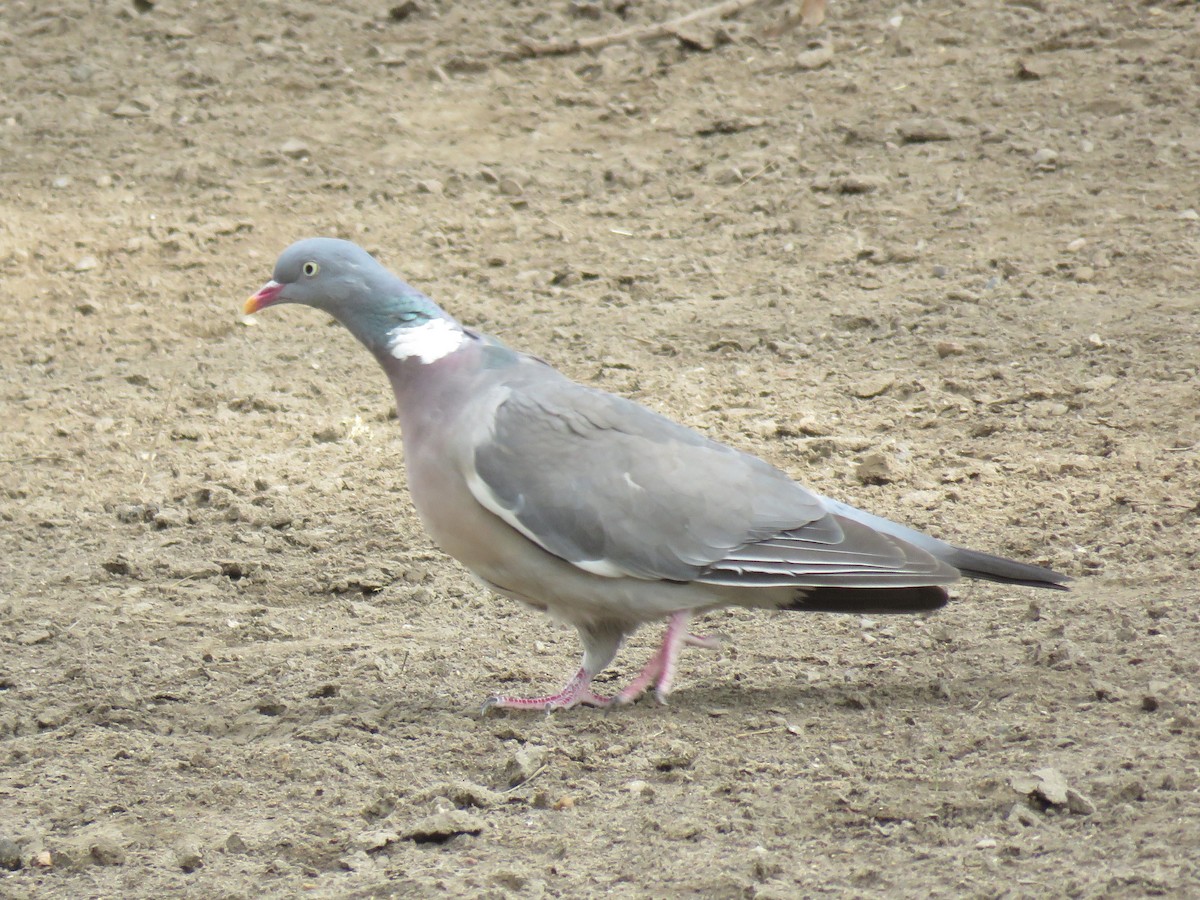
618	490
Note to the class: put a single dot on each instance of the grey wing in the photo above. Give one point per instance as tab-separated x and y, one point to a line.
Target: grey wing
834	551
618	490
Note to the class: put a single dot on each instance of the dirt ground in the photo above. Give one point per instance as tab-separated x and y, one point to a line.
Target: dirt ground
943	265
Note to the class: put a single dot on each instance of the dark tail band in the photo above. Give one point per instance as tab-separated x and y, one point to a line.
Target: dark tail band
878	601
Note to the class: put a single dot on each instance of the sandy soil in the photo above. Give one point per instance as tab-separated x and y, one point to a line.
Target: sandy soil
945	268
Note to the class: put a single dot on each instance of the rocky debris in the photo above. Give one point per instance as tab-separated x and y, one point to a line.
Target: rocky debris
465	794
106	851
677	755
294	148
134	108
10	855
443	826
875	468
188	855
524	764
873	386
370	841
640	788
850	183
1048	788
1023	71
817	56
1045	159
1155	696
924	131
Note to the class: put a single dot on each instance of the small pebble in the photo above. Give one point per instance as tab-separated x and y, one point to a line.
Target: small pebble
814	57
873	386
107	852
678	755
1154	696
874	468
1024	72
1046	159
524	764
373	840
442	826
358	861
586	9
294	148
10	855
640	788
625	176
949	348
328	435
1079	804
188	856
860	184
129	111
924	131
1051	787
170	518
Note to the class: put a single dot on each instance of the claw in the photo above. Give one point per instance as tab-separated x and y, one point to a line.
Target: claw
577	692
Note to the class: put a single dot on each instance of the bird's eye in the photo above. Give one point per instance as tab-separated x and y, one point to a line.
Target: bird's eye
311	269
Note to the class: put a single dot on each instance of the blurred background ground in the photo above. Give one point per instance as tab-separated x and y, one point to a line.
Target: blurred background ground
938	259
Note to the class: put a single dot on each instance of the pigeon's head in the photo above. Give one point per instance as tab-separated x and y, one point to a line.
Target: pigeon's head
345	281
322	272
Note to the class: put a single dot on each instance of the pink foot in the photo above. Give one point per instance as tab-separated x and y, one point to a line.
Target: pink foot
660	670
705	641
577	692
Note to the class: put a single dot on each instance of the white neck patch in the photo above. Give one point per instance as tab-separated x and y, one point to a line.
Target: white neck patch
428	342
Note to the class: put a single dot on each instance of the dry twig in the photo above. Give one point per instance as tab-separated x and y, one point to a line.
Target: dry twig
653	32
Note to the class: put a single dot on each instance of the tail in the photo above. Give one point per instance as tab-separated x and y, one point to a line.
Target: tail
971	563
987	567
877	601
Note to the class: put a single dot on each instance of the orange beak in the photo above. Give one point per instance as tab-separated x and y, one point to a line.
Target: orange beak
267	294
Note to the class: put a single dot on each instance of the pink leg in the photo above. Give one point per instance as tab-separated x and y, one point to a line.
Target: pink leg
660	670
578	691
600	645
599	650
